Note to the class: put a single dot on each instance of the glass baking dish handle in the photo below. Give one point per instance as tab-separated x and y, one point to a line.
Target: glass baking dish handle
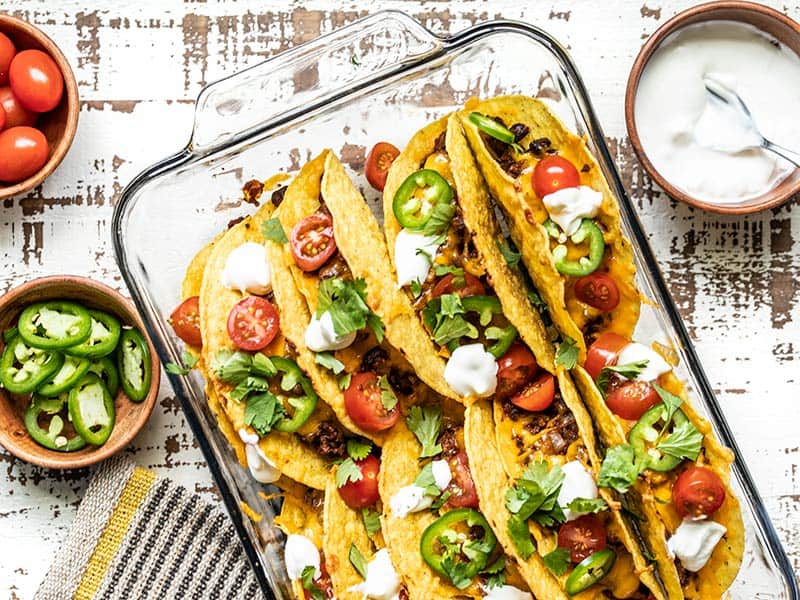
309	75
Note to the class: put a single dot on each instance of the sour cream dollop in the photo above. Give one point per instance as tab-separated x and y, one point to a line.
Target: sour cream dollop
441	473
635	352
568	206
505	592
321	336
413	253
247	270
578	483
382	582
471	371
300	552
409	499
694	541
261	468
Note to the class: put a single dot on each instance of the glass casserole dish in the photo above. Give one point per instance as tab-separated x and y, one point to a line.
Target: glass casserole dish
381	78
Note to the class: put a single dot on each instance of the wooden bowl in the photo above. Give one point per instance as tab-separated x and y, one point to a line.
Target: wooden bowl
772	22
59	124
130	416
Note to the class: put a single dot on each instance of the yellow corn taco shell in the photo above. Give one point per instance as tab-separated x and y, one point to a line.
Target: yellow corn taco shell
526	213
301	514
293	457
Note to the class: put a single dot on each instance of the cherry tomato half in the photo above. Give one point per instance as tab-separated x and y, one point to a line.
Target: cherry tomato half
323	582
379	159
514	369
23	151
598	290
462	487
603	352
362	400
7	52
364	492
632	399
697	492
36	80
472	286
16	114
253	323
312	241
554	173
582	537
536	395
185	321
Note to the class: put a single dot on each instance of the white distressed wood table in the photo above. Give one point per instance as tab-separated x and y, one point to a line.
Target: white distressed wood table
140	66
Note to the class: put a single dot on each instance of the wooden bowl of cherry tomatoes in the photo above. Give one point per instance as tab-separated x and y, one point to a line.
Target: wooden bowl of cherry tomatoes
38	106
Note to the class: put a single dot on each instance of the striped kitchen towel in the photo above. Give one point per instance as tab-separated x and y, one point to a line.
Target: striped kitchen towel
138	536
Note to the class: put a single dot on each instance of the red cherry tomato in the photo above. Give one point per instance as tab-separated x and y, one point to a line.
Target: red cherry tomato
312	241
16	114
554	173
2	117
379	159
598	290
698	492
603	352
7	52
323	582
632	399
185	321
36	80
23	151
462	487
364	492
582	537
362	400
472	286
536	395
253	323
514	369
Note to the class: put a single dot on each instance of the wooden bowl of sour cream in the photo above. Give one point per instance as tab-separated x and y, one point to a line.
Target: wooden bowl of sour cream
665	89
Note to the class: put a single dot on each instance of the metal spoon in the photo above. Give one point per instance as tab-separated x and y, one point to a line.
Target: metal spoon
751	137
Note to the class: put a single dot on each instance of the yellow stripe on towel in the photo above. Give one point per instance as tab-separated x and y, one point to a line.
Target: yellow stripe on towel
134	493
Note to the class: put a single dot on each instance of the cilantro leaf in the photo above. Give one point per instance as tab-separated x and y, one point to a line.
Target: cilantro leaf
426	422
619	469
273	230
189	361
439	222
248	385
685	441
346	301
457	572
628	371
347	471
358	561
557	561
231	367
307	579
329	361
416	288
358	449
567	354
262	412
388	397
440	501
344	381
497	566
521	537
263	366
459	279
372	521
671	401
443	317
587	505
426	480
509	252
535	495
536	300
504	337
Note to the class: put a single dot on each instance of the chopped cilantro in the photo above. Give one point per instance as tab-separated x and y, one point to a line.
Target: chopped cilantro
346	472
189	361
509	252
358	561
388	397
307	579
557	561
567	354
628	371
262	412
273	230
346	301
358	449
329	361
521	537
372	521
425	422
619	469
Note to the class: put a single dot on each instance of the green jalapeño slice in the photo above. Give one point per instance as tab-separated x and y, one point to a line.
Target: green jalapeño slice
417	197
54	325
585	265
24	368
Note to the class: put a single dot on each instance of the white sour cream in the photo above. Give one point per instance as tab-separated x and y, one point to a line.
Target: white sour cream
635	352
505	592
441	474
382	582
568	206
247	270
409	499
300	552
413	253
321	336
261	468
677	124
471	371
578	483
694	541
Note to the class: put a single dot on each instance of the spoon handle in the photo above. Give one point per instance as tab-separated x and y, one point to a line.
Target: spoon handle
792	157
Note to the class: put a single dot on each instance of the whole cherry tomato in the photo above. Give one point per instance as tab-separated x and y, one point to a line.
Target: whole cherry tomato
16	114
598	290
185	321
364	492
7	52
470	286
603	352
312	241
536	395
36	80
582	537
363	402
514	369
379	159
697	492
462	487
23	151
554	173
631	399
253	323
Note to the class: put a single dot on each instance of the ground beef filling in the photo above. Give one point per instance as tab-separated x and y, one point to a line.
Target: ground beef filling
328	439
